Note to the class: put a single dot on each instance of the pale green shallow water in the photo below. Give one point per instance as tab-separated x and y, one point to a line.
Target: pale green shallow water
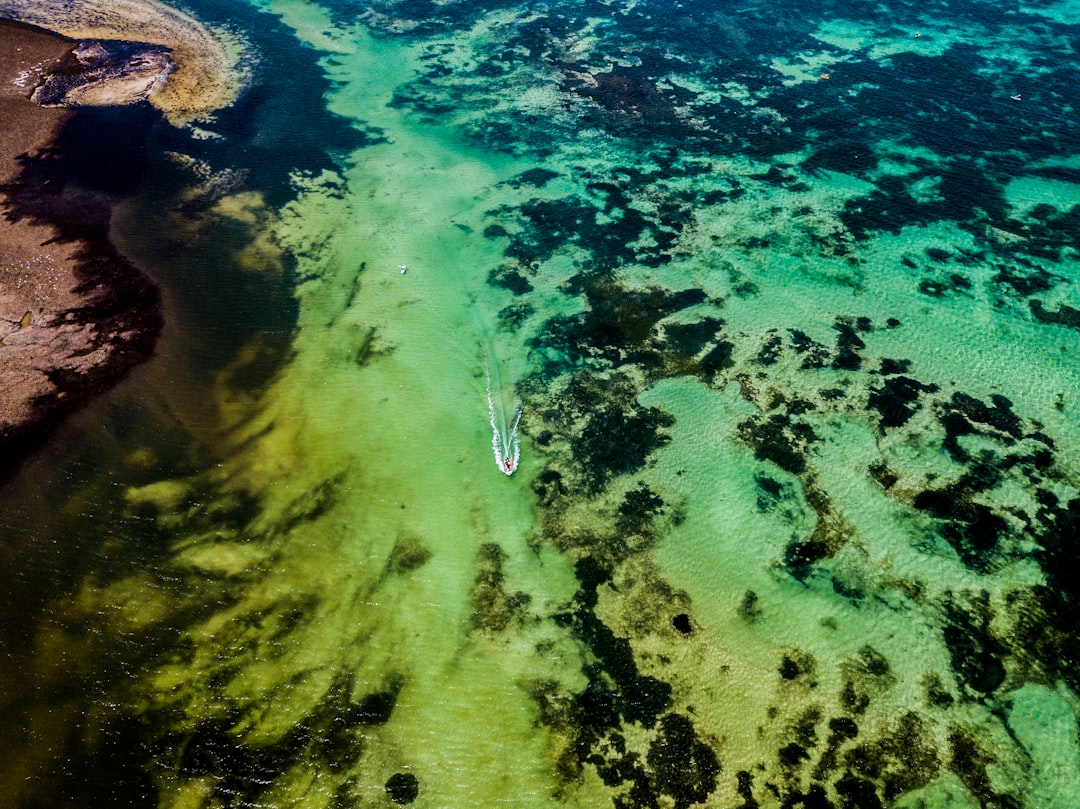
718	575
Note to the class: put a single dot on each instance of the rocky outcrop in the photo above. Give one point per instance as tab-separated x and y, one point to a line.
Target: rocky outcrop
75	315
209	70
104	73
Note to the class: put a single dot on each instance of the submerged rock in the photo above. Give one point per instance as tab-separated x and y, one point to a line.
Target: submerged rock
403	787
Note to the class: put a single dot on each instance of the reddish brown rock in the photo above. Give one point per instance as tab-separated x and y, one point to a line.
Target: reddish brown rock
75	315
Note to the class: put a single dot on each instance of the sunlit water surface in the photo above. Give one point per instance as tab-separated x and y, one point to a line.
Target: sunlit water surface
790	303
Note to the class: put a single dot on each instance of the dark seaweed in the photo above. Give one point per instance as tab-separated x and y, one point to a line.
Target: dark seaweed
682	623
857	793
620	323
779	439
890	366
770	350
403	787
848	345
975	652
615	442
1064	316
493	609
638	508
683	766
691	338
895	400
510	278
814	353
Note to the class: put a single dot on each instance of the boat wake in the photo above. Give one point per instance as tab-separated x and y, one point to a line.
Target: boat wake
505	442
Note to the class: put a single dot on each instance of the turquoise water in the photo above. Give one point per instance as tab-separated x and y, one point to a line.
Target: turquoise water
789	298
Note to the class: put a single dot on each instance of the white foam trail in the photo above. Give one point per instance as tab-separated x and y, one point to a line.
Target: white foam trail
504	438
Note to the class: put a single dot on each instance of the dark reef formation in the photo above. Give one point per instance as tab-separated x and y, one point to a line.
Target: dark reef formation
999	489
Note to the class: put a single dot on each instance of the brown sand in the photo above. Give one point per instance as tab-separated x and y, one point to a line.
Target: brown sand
67	327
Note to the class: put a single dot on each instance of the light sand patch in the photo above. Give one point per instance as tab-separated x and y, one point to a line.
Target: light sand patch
1066	12
806	67
881	42
1025	193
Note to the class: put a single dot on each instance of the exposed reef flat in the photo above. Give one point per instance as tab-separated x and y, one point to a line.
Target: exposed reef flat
74	314
207	72
105	73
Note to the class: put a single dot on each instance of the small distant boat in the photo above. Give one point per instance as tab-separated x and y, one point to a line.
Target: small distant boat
1015	97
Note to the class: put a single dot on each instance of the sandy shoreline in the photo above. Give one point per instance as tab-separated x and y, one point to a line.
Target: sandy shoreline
74	314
